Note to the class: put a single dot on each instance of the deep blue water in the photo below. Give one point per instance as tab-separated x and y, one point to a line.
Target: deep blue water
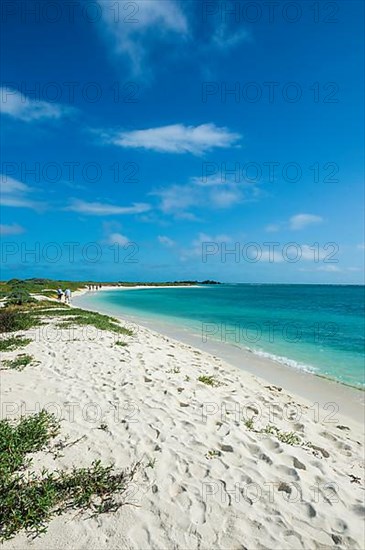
317	327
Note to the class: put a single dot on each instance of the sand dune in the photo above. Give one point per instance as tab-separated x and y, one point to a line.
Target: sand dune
209	478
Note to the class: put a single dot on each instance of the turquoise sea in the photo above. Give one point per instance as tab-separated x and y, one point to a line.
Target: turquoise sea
319	328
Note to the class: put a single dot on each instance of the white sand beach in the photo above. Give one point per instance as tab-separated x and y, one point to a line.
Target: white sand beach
208	477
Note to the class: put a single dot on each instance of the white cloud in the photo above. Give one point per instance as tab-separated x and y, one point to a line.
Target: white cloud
13	229
166	241
226	198
132	29
102	209
19	106
300	221
14	193
178	200
200	245
177	138
118	238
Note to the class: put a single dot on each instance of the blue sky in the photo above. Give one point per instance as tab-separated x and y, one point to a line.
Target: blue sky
144	140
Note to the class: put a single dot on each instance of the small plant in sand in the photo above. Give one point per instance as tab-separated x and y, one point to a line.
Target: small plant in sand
175	370
249	423
151	463
13	343
213	454
121	343
19	363
103	427
209	381
29	501
290	438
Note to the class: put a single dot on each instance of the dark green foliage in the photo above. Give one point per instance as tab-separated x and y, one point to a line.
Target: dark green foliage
14	342
18	363
13	319
29	501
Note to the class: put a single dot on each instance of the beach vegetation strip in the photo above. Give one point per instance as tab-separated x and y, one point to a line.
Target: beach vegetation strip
23	317
19	363
13	343
28	501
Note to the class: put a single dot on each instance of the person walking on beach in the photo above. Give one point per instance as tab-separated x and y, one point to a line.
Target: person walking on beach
67	296
59	294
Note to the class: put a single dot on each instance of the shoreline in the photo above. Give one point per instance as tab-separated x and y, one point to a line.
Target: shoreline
314	388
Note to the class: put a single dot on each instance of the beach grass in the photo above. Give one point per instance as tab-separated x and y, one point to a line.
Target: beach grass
19	363
29	501
209	381
13	343
25	316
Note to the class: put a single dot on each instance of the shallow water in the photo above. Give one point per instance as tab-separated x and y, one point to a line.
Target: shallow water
319	328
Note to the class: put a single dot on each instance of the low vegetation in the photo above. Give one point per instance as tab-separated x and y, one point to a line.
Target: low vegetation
92	318
290	438
13	343
29	501
12	319
19	363
209	381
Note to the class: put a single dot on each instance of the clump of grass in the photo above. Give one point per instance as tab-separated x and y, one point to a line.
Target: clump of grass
27	501
213	454
14	342
121	343
19	363
290	438
79	316
209	381
29	434
249	423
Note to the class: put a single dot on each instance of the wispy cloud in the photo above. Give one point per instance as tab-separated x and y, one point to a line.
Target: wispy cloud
141	30
166	241
225	38
118	238
300	221
180	200
196	248
132	30
13	229
17	105
177	138
104	209
295	223
15	194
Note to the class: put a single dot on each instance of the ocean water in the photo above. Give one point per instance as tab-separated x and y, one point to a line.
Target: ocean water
319	328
